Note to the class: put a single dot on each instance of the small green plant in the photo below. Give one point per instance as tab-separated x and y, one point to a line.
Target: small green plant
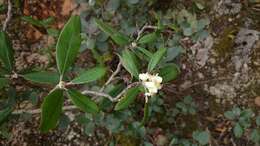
67	49
241	118
200	138
255	134
187	106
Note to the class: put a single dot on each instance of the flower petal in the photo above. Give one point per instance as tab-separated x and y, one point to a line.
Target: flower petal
143	76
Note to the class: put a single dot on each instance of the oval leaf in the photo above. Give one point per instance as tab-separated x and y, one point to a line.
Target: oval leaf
51	110
129	62
42	77
148	38
6	52
116	36
202	137
90	75
127	99
238	130
3	82
157	56
68	44
83	102
4	114
169	72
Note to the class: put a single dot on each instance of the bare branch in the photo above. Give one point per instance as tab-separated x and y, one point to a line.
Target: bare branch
98	94
124	91
111	78
72	107
9	15
143	29
37	111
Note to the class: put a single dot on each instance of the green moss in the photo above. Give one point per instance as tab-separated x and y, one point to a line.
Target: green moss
225	42
126	140
215	108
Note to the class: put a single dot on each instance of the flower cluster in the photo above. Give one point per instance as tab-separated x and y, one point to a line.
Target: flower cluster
152	83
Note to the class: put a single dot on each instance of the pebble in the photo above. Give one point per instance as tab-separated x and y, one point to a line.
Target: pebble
257	101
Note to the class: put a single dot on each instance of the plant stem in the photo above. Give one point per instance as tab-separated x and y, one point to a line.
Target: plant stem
72	107
143	29
111	78
9	15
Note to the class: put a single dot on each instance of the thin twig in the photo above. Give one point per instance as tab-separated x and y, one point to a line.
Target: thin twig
111	78
96	93
72	107
9	15
124	91
206	81
143	29
37	111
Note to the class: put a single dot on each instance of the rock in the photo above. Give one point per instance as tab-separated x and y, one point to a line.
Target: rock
245	41
257	101
224	7
161	140
68	6
201	50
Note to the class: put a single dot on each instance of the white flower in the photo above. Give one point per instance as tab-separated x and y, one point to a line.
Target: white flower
144	76
152	83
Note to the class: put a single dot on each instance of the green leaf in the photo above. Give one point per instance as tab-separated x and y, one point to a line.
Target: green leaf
169	72
104	27
6	52
258	120
187	31
157	56
112	5
236	111
247	113
199	5
148	38
38	23
68	44
51	110
201	137
3	82
116	36
145	52
255	136
32	21
4	114
238	130
173	52
127	99
132	1
129	62
83	102
230	115
120	39
90	75
43	77
53	32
